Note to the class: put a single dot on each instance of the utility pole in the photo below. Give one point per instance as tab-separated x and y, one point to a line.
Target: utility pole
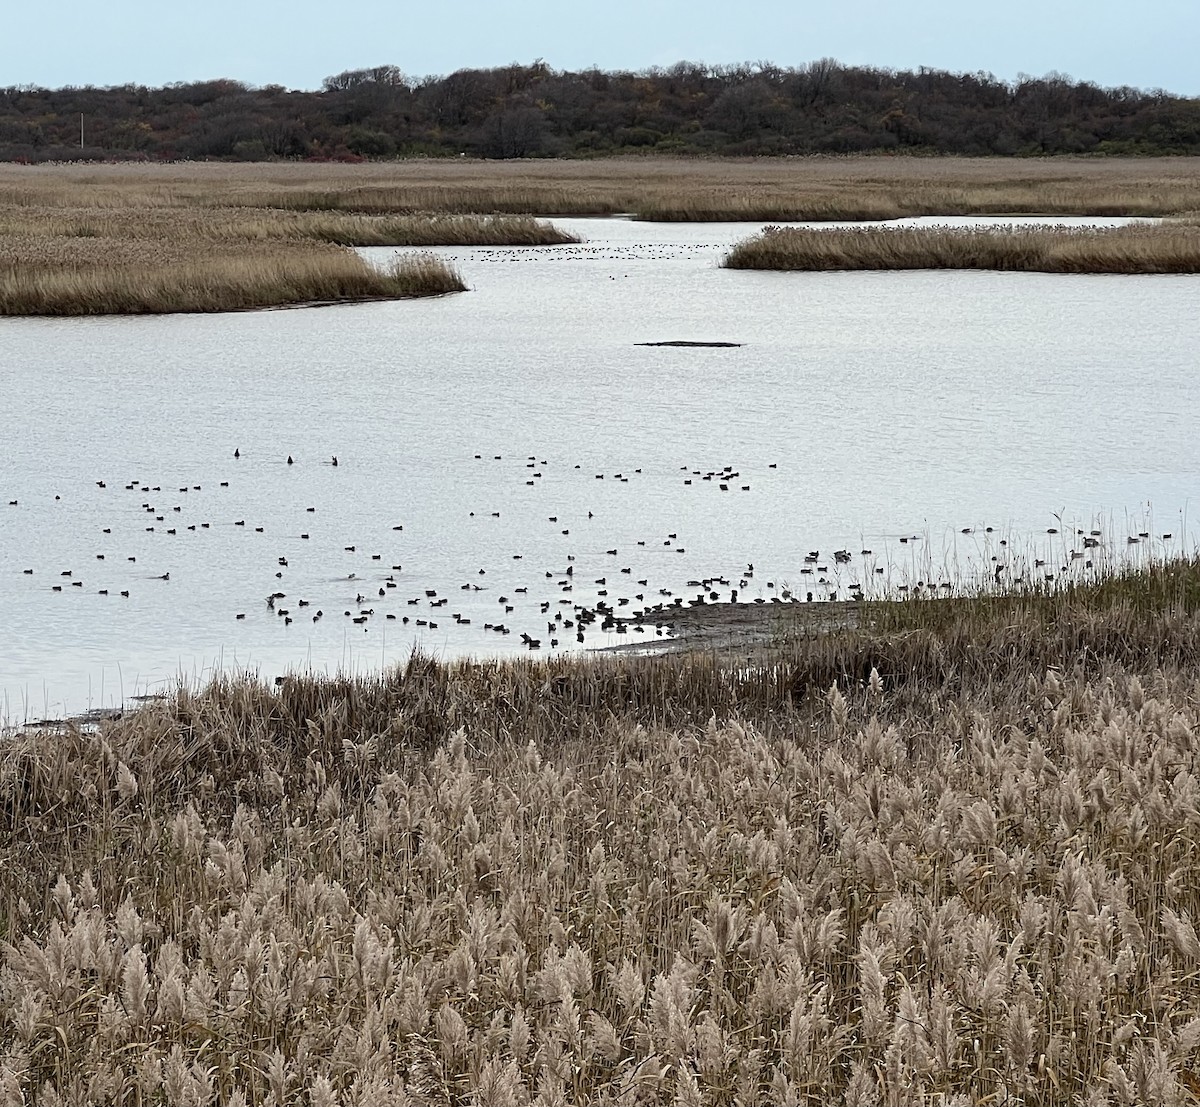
81	130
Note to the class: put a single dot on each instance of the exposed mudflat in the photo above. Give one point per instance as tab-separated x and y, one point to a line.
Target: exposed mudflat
738	628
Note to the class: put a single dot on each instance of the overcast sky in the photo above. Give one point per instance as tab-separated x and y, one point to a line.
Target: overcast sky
1145	43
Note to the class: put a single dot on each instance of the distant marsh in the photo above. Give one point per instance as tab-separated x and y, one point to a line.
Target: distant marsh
760	189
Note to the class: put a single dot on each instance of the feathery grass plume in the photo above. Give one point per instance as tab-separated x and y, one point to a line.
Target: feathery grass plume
127	785
1181	933
875	682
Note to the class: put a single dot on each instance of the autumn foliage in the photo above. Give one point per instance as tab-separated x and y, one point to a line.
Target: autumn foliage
522	111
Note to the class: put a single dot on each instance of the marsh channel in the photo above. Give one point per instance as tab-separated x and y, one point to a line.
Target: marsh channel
542	454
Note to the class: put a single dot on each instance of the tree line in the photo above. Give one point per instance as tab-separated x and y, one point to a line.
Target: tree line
521	111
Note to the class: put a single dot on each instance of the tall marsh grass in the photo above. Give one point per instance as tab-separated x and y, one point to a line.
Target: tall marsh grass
222	283
181	226
629	881
80	250
88	261
1134	248
435	230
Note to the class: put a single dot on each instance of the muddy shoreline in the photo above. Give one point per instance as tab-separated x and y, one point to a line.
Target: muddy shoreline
748	629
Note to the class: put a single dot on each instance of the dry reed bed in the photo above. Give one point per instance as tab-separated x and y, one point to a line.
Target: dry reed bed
966	876
117	283
176	226
70	236
1135	248
695	189
71	261
80	251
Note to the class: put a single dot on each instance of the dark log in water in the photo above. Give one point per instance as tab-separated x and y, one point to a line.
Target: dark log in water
682	342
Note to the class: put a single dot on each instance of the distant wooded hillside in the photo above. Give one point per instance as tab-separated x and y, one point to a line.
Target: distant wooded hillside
524	111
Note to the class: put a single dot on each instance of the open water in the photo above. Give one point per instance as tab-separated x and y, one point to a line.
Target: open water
519	430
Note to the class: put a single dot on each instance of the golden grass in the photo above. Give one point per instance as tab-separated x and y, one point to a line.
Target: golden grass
88	239
432	230
1135	248
965	872
132	260
255	225
761	189
67	248
100	280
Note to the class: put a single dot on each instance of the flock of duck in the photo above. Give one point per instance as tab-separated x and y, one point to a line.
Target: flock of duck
572	603
583	597
607	251
580	598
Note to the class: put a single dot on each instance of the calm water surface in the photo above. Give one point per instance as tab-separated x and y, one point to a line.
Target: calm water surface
861	408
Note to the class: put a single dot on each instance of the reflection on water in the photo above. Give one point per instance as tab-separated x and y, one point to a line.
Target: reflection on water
861	409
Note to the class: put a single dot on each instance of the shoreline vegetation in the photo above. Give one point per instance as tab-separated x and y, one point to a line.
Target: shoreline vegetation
139	219
761	633
138	258
1136	248
134	238
243	282
950	851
